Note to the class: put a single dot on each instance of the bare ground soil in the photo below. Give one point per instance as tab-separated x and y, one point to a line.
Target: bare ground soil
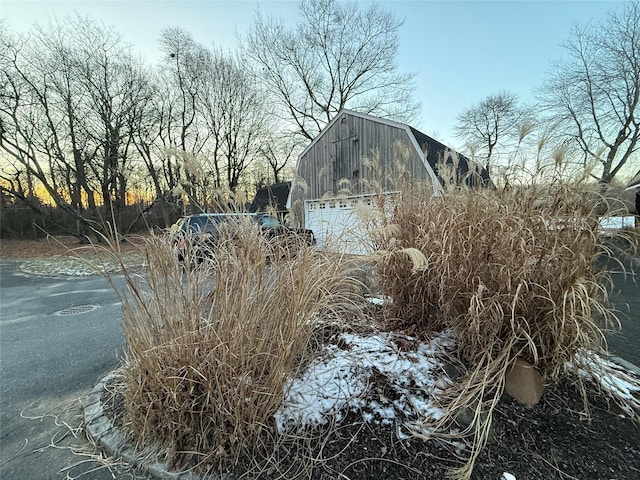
65	246
553	440
66	256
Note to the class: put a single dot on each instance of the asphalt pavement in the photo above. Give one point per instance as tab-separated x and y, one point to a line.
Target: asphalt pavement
625	297
58	337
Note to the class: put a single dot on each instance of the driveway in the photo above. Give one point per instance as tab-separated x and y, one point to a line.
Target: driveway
58	336
625	296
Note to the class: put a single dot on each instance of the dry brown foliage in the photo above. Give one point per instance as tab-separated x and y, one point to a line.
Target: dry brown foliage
211	348
512	272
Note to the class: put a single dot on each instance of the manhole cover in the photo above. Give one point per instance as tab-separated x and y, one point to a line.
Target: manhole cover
76	310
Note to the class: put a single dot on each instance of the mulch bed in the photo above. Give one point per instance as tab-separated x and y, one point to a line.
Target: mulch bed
553	440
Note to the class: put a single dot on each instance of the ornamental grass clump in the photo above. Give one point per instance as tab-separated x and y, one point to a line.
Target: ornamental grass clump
213	341
502	269
511	272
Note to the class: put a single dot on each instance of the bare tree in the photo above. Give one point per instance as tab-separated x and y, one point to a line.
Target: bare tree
183	133
237	116
155	140
184	66
152	148
278	151
491	123
338	56
116	90
593	94
73	93
41	117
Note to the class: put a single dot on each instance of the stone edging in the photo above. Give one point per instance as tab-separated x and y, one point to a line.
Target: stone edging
100	428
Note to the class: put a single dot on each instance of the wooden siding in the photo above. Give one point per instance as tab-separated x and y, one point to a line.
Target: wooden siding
355	152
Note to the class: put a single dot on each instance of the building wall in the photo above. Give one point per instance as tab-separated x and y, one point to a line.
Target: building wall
350	160
354	153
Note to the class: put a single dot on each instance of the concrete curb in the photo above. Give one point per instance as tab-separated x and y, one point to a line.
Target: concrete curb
100	428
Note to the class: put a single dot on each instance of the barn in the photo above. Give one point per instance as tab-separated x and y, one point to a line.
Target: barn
339	169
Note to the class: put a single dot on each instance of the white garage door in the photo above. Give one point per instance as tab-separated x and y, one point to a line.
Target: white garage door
336	226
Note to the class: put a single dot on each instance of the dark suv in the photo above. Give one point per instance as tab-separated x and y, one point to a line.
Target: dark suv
198	233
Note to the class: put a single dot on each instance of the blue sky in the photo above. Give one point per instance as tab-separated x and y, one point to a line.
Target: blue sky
462	51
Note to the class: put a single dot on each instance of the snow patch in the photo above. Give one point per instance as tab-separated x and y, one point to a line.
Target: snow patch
379	300
619	382
371	375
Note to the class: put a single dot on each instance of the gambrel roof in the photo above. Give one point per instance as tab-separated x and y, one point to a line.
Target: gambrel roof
434	149
354	157
429	149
